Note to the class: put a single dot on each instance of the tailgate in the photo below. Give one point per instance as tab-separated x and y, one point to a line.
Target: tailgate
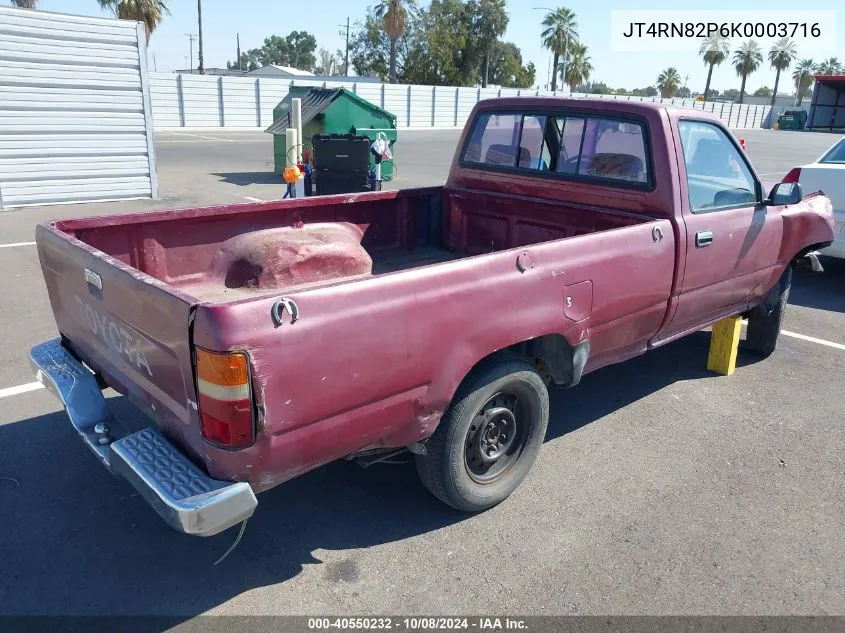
124	324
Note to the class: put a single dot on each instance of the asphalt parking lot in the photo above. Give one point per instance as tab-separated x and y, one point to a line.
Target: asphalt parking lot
661	488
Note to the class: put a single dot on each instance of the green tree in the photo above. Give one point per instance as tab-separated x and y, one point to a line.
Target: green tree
370	48
764	91
296	50
830	66
650	91
250	60
340	63
668	82
489	22
302	45
803	78
781	56
560	30
444	51
731	93
594	88
394	16
578	67
506	67
747	58
326	64
683	92
25	4
714	50
150	12
621	91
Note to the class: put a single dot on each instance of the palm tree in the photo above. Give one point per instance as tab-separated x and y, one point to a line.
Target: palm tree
200	58
394	14
714	50
747	59
830	66
560	32
25	4
803	78
781	56
150	12
668	82
578	67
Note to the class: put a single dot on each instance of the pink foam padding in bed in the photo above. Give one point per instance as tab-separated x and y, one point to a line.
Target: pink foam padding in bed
288	256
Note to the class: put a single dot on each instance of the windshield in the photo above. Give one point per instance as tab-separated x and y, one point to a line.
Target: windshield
836	154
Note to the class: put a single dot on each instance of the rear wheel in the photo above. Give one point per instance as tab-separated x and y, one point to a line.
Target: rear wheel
764	321
489	436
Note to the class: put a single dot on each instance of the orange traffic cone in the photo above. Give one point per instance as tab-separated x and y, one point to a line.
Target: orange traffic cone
742	144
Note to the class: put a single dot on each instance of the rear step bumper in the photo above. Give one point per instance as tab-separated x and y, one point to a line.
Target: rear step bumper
185	497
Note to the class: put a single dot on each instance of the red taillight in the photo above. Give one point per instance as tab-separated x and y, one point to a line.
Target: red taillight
793	176
225	398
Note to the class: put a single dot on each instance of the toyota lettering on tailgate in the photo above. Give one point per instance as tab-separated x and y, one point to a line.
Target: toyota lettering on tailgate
115	336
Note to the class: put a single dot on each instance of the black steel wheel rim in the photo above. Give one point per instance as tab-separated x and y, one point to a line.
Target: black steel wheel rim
497	435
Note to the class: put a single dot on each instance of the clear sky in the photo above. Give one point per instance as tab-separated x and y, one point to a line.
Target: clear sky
257	19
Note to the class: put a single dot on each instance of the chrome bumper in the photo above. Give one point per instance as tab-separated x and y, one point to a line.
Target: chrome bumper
185	497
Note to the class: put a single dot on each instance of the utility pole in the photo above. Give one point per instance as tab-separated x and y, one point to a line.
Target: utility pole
191	37
346	60
155	66
239	53
201	64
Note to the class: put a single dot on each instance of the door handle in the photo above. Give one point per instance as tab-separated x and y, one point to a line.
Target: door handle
703	238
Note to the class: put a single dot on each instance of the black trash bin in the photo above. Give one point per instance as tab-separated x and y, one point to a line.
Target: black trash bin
341	163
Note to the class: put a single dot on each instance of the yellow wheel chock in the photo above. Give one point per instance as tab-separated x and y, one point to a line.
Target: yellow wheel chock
724	345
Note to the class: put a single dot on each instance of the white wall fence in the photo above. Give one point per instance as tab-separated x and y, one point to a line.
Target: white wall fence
248	102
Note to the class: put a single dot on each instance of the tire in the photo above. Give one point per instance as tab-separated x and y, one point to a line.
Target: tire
764	321
489	437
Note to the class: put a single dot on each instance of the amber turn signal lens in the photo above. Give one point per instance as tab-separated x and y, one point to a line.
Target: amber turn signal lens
225	370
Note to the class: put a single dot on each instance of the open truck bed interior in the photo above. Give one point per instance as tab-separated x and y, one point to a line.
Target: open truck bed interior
222	254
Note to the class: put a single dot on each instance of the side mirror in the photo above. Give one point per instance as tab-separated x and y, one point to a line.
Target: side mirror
785	193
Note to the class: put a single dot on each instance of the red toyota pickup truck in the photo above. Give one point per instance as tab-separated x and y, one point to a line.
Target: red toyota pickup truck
264	340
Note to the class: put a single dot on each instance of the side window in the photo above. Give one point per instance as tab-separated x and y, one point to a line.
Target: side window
613	149
717	175
570	145
493	140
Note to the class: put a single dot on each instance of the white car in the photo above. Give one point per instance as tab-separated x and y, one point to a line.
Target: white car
828	174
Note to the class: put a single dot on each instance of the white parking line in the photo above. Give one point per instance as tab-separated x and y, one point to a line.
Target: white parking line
813	339
210	138
251	199
14	391
13	244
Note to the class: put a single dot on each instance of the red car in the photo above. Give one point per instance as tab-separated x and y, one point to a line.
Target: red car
264	340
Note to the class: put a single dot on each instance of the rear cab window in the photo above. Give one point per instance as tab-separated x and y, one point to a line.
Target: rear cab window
576	146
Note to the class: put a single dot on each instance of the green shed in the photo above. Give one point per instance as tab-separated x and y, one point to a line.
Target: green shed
331	111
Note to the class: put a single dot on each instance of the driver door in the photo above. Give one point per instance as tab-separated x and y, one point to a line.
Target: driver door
732	239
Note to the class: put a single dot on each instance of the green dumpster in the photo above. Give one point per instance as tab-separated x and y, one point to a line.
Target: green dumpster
792	120
332	111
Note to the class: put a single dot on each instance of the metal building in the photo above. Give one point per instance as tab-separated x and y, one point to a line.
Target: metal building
827	108
75	122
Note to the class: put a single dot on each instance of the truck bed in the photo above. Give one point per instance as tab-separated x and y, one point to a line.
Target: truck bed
227	254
